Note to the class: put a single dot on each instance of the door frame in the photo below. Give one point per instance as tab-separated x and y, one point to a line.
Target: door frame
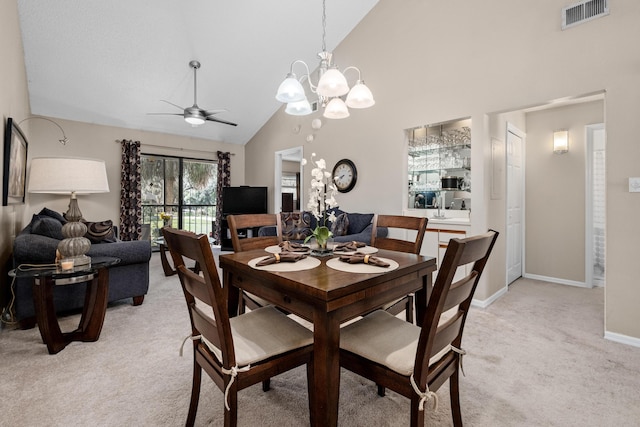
511	128
295	153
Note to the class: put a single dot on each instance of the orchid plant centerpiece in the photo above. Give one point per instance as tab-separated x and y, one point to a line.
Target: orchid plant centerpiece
321	201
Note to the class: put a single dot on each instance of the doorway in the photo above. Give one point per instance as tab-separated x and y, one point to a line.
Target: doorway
515	202
286	161
596	202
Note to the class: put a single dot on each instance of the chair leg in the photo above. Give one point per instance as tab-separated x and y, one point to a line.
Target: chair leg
417	416
454	392
195	394
381	390
231	416
266	385
242	306
409	309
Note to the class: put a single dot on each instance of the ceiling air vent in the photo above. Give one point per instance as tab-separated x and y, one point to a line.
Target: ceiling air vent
583	12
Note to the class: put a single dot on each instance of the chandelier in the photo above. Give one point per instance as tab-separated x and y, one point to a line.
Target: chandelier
330	90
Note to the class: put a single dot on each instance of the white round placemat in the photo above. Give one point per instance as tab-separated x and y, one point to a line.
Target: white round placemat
304	264
275	249
336	264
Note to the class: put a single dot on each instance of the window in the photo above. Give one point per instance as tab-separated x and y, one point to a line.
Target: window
183	188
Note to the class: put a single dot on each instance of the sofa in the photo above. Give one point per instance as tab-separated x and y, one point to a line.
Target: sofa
37	244
297	226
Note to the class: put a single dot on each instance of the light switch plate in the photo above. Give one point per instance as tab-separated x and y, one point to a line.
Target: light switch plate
634	185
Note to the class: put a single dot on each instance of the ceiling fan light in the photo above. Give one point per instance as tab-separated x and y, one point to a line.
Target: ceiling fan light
332	83
194	120
336	109
360	96
299	108
290	90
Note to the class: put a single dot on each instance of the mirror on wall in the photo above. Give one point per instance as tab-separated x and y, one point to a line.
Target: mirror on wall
288	180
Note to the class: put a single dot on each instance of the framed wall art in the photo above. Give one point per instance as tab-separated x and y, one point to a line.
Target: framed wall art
14	177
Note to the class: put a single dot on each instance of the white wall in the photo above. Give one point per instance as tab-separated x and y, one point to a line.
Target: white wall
14	103
429	61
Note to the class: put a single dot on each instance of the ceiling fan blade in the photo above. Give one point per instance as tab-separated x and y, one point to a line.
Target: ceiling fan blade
171	103
165	114
213	119
208	113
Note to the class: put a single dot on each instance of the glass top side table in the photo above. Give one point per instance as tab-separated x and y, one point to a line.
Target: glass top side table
45	277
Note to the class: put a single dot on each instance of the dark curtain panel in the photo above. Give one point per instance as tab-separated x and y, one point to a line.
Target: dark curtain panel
130	192
224	180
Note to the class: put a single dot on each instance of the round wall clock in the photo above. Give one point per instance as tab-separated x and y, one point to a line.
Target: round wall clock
345	175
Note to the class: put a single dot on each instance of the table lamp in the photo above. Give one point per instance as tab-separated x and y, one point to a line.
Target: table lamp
56	175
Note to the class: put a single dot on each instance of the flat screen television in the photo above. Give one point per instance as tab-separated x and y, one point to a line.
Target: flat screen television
244	200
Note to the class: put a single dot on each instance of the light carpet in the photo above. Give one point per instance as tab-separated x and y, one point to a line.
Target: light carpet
536	357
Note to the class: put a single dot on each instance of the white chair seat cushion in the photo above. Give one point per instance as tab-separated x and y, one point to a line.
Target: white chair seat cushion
263	333
387	340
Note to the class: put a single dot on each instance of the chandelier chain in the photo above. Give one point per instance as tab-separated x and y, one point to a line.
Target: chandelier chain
324	25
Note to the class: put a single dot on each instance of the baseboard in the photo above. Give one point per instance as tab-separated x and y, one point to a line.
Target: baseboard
622	339
556	280
487	302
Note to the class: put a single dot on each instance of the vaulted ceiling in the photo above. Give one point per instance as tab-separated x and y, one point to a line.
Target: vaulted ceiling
112	62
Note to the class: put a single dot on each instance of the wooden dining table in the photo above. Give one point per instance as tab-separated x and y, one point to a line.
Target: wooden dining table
328	297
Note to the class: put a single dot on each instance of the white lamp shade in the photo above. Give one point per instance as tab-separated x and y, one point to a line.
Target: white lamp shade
360	96
332	83
290	90
336	109
561	141
55	175
299	108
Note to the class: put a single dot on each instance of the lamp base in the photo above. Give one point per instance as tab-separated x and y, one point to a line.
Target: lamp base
74	245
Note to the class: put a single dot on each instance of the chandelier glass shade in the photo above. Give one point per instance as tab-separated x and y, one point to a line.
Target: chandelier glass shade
332	86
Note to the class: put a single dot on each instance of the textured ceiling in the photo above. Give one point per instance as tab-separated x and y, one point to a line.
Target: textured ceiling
111	62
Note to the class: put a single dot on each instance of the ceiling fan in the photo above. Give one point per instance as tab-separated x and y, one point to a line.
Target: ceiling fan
194	114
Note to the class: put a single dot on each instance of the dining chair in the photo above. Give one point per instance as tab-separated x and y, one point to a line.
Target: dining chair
235	352
253	221
405	223
415	361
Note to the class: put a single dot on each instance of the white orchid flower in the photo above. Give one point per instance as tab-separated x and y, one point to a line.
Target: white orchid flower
332	216
304	161
321	164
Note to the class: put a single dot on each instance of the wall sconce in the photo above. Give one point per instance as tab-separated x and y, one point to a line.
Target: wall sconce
561	141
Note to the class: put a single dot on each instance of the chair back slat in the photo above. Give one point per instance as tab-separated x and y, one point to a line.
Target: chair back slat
460	291
206	325
447	333
407	223
205	287
240	222
447	295
195	285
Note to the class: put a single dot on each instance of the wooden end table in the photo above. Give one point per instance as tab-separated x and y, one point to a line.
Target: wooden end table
95	275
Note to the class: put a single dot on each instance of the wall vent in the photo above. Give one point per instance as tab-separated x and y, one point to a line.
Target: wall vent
584	11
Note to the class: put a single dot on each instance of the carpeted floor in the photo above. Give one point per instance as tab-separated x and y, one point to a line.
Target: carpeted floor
536	357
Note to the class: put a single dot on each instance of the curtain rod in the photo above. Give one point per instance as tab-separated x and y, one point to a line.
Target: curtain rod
118	141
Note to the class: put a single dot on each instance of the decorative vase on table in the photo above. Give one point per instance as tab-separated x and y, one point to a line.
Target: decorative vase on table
321	200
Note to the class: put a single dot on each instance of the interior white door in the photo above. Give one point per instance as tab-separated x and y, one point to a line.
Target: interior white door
515	202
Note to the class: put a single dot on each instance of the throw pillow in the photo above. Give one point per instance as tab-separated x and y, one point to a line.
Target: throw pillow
295	225
46	226
358	222
52	214
98	232
340	226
